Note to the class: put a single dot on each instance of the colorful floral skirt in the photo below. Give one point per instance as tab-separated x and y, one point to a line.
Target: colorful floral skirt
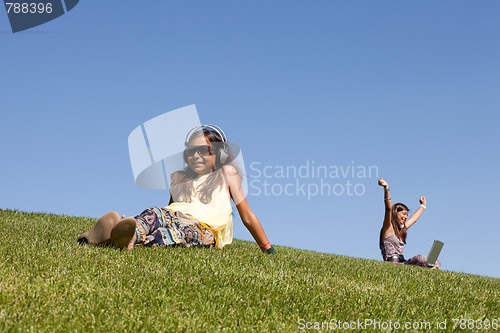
164	227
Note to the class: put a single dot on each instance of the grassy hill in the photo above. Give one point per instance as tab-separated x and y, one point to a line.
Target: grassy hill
50	283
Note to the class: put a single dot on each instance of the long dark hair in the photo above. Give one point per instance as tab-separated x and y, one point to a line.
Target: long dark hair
182	181
400	232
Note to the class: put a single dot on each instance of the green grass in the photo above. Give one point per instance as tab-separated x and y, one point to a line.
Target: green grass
50	283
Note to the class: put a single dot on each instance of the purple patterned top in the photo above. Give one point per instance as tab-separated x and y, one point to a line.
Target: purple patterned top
391	246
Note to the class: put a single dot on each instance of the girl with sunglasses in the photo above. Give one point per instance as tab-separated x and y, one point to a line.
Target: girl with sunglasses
394	230
199	212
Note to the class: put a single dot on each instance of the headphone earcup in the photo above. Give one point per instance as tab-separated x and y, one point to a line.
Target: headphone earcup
222	155
184	157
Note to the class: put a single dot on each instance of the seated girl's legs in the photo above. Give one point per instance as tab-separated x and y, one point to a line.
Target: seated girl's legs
156	227
163	227
193	232
419	260
147	225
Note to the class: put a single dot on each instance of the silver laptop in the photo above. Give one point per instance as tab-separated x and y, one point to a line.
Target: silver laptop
434	253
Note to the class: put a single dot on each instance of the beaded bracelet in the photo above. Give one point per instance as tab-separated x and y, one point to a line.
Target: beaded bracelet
263	246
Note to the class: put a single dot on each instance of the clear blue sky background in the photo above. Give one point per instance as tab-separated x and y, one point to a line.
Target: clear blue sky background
409	87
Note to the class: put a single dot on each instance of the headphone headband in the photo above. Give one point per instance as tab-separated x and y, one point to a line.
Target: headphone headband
216	129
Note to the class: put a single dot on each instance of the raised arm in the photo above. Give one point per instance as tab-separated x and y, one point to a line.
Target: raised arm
387	204
414	217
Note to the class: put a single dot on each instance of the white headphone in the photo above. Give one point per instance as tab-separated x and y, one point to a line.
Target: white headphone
223	152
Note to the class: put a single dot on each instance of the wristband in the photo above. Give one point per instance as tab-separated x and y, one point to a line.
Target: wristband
387	199
423	206
270	250
386	188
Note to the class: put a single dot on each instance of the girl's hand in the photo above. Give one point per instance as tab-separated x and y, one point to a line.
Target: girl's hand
382	182
423	201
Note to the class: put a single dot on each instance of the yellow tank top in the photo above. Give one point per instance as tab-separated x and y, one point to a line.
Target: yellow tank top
217	213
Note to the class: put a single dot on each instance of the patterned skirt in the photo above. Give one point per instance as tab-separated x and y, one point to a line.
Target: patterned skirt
164	227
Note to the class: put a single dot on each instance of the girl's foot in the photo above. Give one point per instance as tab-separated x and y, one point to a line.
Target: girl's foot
101	232
123	233
130	245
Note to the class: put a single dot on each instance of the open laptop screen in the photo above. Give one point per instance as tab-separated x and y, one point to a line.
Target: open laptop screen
434	253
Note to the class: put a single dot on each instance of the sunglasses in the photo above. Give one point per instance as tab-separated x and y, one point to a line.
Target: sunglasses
201	150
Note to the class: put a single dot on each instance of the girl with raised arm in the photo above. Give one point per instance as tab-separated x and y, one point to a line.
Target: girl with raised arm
199	212
394	230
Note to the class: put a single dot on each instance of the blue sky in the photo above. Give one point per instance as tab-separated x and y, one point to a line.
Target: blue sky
408	87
